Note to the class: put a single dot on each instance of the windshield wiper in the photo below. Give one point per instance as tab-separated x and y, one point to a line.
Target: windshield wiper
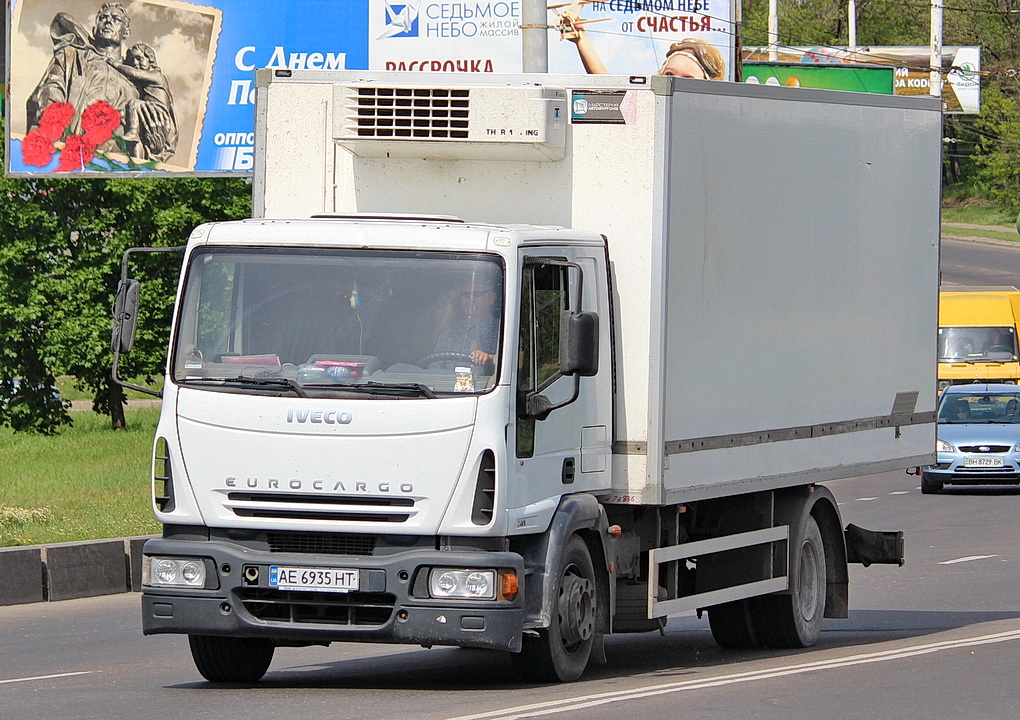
373	388
242	380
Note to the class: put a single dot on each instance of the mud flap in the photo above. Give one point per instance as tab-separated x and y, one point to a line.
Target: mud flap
871	546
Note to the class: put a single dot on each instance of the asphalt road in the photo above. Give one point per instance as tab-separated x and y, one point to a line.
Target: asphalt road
979	263
937	638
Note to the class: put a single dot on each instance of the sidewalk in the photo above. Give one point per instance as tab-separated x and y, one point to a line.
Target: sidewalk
79	405
1011	239
996	228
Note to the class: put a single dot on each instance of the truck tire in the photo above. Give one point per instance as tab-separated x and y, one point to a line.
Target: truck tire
560	652
733	625
929	487
230	659
795	620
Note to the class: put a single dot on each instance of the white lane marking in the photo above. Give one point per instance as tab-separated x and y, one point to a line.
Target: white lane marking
900	492
967	559
553	707
865	499
46	677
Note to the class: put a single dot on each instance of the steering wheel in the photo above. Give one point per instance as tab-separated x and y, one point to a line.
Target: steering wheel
998	348
443	356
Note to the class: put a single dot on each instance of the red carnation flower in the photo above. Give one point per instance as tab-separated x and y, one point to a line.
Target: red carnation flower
98	121
37	149
78	152
54	120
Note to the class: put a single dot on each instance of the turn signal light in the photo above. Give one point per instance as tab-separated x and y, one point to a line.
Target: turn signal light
508	585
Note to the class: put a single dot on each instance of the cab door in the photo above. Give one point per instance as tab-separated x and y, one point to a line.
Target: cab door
567	450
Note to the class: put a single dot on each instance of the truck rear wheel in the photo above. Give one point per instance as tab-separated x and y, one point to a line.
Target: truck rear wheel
560	652
230	659
795	620
930	487
733	625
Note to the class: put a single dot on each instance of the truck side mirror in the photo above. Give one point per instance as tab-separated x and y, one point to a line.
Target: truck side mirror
125	316
579	343
579	356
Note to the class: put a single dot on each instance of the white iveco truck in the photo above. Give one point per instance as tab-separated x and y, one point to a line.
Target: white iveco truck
518	361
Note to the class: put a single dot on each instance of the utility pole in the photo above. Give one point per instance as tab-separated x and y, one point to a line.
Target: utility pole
851	12
773	30
534	36
935	81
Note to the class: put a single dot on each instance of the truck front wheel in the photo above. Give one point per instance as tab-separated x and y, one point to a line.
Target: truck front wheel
560	652
230	659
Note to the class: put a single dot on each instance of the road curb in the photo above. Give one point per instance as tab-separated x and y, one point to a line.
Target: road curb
62	571
982	240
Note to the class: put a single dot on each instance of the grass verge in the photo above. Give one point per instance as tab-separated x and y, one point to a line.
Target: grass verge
87	483
978	215
978	232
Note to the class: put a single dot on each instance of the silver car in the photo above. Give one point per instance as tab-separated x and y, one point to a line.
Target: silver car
978	437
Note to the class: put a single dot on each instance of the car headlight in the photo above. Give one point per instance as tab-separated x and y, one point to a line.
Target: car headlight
174	572
462	584
943	446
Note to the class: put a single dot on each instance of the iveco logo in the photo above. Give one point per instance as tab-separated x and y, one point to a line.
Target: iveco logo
319	417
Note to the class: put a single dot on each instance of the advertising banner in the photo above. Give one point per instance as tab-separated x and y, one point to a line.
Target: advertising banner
852	78
961	65
167	86
445	36
632	37
177	77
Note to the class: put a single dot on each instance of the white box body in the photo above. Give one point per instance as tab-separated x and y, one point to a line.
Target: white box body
774	251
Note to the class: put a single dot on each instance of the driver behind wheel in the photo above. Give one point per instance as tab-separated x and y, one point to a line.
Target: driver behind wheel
472	322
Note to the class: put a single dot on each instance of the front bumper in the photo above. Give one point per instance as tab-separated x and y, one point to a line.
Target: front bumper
952	469
391	605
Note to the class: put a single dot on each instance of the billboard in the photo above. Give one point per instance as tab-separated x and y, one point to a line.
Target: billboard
631	37
167	86
961	66
177	75
444	36
854	78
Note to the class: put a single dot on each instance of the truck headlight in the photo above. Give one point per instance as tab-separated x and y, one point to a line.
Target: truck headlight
174	572
463	584
943	446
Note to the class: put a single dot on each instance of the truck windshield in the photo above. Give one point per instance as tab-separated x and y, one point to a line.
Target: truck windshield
977	344
397	324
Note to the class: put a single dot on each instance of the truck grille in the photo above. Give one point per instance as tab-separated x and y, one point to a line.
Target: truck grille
296	506
351	609
320	543
420	113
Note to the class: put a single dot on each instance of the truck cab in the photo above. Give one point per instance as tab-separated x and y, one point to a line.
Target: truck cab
395	396
977	339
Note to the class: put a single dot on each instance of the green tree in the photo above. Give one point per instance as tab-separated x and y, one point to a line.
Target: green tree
998	149
983	151
61	243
